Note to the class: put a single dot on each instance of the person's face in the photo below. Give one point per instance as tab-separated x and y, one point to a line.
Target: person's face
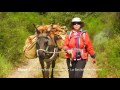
76	25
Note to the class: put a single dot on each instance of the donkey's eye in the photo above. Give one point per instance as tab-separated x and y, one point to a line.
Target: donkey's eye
46	41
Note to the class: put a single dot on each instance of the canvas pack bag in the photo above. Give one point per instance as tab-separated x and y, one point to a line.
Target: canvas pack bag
29	48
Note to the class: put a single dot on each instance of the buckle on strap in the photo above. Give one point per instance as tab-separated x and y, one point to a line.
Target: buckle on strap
82	50
76	49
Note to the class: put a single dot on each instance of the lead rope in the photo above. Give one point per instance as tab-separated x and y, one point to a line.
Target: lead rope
53	54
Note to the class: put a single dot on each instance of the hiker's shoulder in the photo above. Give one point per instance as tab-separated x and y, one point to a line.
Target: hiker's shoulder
68	32
84	31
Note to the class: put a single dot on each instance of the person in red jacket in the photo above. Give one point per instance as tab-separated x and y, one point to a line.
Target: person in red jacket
78	45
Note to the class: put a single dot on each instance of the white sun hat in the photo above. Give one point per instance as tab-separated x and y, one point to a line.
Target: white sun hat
76	19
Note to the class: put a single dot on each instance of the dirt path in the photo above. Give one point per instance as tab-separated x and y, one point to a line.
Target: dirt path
32	68
61	69
90	70
28	70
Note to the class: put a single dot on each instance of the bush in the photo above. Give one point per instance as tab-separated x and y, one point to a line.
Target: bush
15	28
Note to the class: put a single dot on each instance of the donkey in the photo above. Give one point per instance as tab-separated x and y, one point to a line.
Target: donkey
47	46
47	53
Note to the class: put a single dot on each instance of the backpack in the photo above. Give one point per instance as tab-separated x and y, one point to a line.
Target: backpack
29	49
82	35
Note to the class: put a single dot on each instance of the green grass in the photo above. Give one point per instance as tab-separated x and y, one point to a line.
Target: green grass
107	47
5	66
108	57
15	28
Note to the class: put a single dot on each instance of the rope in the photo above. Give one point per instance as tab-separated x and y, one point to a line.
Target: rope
51	52
60	51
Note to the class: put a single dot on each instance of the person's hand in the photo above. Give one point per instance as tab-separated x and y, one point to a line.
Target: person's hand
69	51
93	60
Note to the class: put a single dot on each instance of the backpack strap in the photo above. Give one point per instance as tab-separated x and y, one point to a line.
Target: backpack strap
83	34
83	37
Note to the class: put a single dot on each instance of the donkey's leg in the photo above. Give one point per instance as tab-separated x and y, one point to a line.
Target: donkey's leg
47	69
53	66
42	66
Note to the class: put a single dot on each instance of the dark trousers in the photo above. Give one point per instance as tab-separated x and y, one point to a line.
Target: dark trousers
76	69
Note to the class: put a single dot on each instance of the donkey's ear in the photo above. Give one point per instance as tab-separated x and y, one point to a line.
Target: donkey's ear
36	29
37	32
49	28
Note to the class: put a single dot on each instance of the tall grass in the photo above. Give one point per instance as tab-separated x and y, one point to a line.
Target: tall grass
105	39
14	29
5	66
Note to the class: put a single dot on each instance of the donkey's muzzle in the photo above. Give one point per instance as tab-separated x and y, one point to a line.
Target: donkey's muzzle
41	54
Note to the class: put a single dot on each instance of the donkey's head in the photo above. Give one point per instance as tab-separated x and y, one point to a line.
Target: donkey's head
44	45
47	37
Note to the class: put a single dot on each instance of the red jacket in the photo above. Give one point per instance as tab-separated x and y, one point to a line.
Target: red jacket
85	46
